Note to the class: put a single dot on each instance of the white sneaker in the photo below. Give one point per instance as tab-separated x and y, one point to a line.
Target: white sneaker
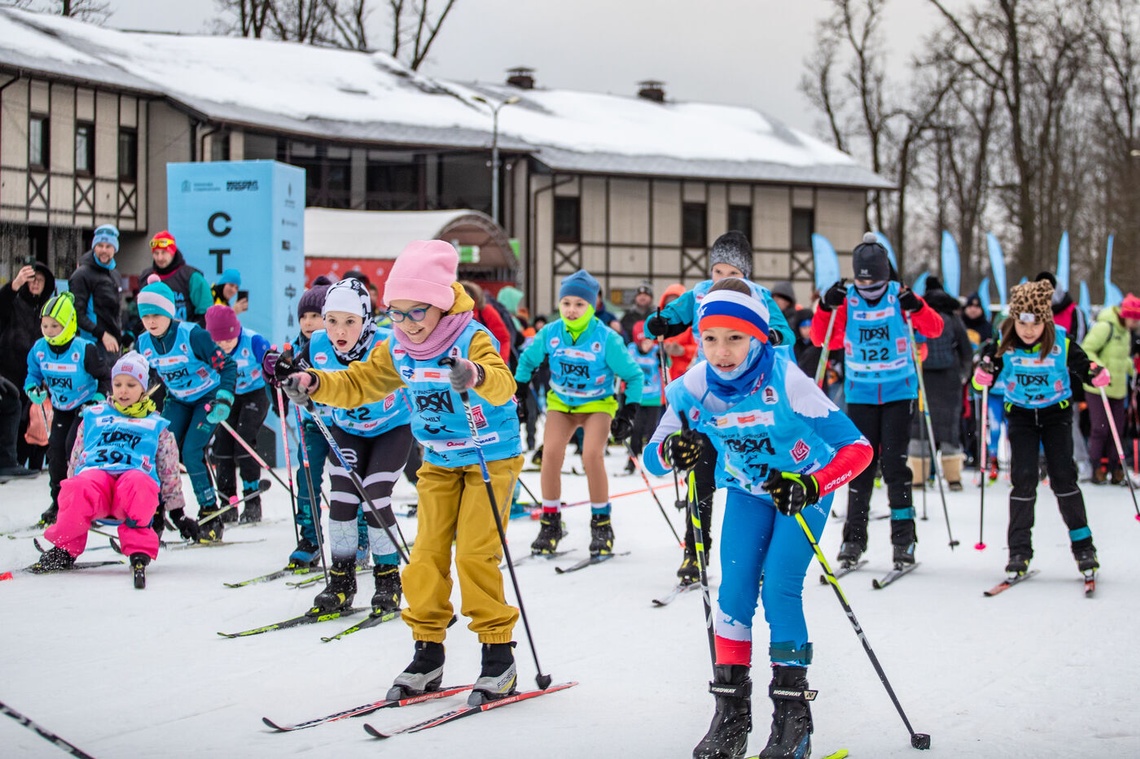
1084	471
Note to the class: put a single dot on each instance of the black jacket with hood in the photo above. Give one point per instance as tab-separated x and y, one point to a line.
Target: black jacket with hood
96	293
20	325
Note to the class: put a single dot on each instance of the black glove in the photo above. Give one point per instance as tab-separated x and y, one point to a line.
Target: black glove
790	491
834	296
622	425
187	526
656	325
909	301
522	392
682	450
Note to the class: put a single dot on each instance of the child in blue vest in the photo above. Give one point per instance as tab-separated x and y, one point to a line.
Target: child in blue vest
1032	363
71	371
783	448
586	358
432	321
124	454
246	349
880	382
196	374
645	353
374	437
730	256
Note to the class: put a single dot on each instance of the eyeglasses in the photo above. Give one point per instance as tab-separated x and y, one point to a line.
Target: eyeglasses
161	242
415	314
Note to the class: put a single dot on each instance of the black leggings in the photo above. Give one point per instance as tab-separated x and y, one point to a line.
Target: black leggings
246	417
887	428
60	442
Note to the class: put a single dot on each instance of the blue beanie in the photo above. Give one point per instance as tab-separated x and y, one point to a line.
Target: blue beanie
230	277
108	234
582	285
156	298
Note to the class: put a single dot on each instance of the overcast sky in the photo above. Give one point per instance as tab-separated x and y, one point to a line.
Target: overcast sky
743	52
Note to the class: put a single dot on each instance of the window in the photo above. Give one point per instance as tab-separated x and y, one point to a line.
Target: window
128	155
694	225
567	220
220	146
39	142
803	225
84	148
740	220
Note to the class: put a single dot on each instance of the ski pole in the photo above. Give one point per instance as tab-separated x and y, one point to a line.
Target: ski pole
637	465
529	492
917	740
251	451
541	679
281	410
821	369
1119	449
44	733
924	400
694	509
982	440
314	503
665	403
537	513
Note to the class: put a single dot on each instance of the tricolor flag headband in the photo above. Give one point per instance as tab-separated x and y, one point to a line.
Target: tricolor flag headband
733	310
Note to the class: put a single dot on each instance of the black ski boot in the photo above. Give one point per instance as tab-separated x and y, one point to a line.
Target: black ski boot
1086	559
138	566
55	559
689	571
550	532
388	588
252	511
903	554
306	554
849	553
423	675
339	592
497	678
230	516
727	737
1018	564
601	535
791	716
211	532
49	516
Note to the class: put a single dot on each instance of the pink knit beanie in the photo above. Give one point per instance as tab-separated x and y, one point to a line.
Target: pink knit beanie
222	323
424	272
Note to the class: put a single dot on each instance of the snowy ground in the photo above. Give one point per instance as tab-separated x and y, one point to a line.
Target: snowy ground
1039	671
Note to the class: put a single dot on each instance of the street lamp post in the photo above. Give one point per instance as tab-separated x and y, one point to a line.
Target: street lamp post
495	108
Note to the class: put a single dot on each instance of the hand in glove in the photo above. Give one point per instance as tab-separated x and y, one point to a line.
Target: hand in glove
220	407
622	425
187	527
36	394
682	450
909	301
656	325
464	374
1100	376
522	393
984	374
790	491
835	296
298	386
269	366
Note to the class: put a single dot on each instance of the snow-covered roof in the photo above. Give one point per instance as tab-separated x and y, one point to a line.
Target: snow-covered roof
371	97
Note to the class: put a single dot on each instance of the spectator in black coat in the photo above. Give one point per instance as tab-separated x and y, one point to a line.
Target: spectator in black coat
95	286
20	305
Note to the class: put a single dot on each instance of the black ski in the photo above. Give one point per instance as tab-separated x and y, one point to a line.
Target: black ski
844	569
1009	582
532	556
211	544
304	619
589	562
466	711
76	565
359	711
373	619
677	590
899	571
272	576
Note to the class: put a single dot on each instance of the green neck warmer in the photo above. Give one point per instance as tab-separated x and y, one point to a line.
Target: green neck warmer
578	326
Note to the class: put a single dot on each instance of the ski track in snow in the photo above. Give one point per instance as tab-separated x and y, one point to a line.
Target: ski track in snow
1038	671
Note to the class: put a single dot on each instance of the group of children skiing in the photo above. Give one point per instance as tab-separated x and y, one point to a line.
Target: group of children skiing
743	417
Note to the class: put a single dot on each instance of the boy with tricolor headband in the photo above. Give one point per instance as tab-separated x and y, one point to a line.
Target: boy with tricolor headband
783	448
196	374
124	455
70	370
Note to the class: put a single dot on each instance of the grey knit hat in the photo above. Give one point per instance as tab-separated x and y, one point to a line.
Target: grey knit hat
732	248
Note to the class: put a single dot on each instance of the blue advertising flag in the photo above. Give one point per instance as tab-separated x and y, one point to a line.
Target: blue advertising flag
984	296
1063	262
1112	294
951	265
1085	301
890	250
826	262
919	285
997	267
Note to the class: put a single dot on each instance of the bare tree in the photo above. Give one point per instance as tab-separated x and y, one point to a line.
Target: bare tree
93	11
415	26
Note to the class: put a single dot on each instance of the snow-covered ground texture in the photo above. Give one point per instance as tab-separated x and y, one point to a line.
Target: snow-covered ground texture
1038	671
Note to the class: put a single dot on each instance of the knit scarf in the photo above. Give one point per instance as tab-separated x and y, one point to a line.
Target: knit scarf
579	325
108	266
137	410
441	338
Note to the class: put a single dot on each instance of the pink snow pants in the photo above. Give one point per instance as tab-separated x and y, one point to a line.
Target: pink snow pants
94	494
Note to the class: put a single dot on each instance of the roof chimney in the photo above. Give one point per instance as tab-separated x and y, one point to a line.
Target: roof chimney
521	77
651	89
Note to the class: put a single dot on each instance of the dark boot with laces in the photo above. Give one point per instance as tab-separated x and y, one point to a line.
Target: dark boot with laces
601	535
791	715
727	737
340	591
388	588
550	532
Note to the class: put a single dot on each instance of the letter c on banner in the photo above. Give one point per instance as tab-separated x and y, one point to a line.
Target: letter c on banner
212	224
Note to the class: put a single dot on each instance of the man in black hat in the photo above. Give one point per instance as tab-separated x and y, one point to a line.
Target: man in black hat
640	310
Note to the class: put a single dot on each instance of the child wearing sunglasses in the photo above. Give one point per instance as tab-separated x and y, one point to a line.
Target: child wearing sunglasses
432	329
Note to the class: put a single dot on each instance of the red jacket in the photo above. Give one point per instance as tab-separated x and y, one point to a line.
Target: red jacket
489	318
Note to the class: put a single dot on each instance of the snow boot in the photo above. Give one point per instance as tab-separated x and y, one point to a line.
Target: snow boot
423	675
550	532
601	535
138	566
1018	564
689	571
919	470
727	737
54	559
388	588
306	554
497	678
952	471
1086	559
339	592
791	715
210	531
849	553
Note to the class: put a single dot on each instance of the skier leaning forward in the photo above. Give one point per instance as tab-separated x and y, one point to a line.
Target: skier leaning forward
782	447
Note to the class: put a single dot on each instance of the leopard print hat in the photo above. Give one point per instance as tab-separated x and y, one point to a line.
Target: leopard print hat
1033	298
